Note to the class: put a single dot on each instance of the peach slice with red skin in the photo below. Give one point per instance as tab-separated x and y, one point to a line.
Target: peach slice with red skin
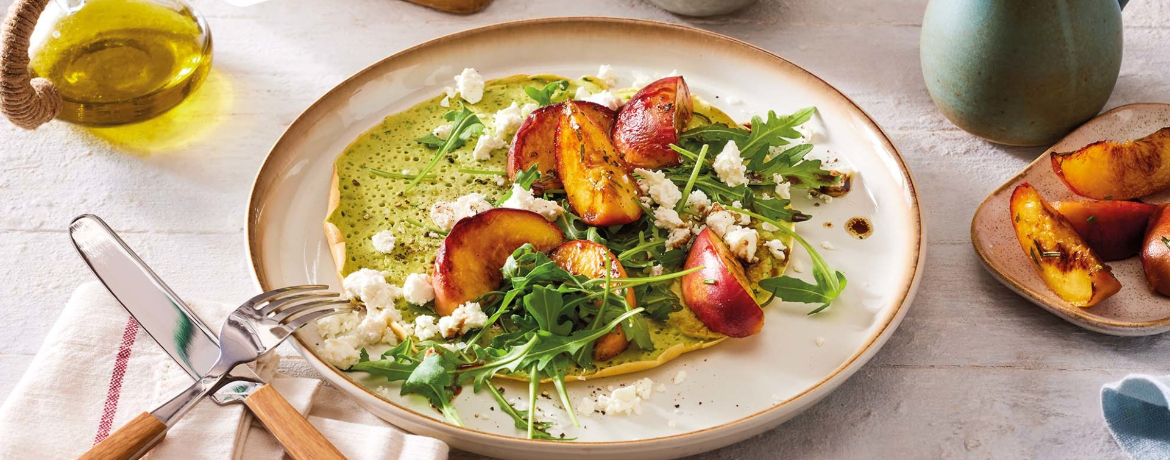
651	121
1064	261
1117	170
1114	229
584	257
597	182
469	259
720	294
1156	252
535	142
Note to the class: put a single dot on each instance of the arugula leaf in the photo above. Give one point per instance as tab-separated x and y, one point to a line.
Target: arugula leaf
520	418
830	282
525	178
772	131
433	378
464	124
544	96
546	305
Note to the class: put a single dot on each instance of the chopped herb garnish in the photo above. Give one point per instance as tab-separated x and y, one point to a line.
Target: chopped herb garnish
1091	219
708	281
1050	254
1166	241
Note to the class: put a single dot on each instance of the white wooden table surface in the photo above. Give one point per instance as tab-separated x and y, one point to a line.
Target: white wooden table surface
974	371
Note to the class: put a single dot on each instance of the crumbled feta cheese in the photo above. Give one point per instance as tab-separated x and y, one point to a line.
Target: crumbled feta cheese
672	423
783	188
776	247
373	327
729	166
469	84
669	219
720	220
623	400
826	198
661	388
342	352
500	181
487	142
656	270
445	214
523	198
465	318
743	219
582	93
644	387
606	74
446	102
698	202
820	341
605	98
742	241
767	227
797	266
587	406
679	377
661	190
508	119
337	325
370	287
417	289
442	131
384	241
827	245
425	328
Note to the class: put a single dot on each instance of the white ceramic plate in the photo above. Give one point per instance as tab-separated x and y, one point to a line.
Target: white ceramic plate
731	391
1134	310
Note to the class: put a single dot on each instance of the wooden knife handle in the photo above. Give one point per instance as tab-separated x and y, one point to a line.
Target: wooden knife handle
130	441
300	439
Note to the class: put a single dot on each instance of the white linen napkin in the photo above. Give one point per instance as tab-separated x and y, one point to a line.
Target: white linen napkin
98	369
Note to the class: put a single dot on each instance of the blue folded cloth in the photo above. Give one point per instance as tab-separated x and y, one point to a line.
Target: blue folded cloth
1137	411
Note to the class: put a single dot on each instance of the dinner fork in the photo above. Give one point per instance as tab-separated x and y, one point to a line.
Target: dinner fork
252	330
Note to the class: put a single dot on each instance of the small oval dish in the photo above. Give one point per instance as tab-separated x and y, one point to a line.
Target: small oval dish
1135	310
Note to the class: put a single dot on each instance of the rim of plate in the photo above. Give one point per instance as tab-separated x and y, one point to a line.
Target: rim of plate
1033	295
854	361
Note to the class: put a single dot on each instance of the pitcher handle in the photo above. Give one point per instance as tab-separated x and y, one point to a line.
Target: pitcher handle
29	102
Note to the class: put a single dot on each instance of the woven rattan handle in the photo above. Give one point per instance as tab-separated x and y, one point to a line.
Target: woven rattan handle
28	102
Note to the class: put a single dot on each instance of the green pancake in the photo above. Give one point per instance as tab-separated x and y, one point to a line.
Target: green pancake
362	203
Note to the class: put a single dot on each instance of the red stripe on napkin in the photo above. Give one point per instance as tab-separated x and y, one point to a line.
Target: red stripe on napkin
115	389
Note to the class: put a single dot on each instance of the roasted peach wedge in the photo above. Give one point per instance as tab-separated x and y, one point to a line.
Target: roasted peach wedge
651	121
1062	258
469	259
1117	171
720	294
1156	252
535	141
598	183
583	257
1112	228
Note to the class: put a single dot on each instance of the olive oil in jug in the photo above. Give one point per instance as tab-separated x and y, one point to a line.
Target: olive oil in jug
121	61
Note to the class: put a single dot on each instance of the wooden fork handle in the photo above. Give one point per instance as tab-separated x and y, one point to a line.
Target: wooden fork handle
130	441
300	439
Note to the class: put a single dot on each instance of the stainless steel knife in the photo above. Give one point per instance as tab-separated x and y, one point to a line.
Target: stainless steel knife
172	324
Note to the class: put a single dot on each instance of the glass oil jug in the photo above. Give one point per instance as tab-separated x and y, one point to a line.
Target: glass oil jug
120	61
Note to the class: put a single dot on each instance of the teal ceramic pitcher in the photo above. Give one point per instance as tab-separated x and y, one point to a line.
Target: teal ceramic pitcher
1021	72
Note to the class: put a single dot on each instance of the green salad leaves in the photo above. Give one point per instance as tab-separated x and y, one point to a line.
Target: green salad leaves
548	321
